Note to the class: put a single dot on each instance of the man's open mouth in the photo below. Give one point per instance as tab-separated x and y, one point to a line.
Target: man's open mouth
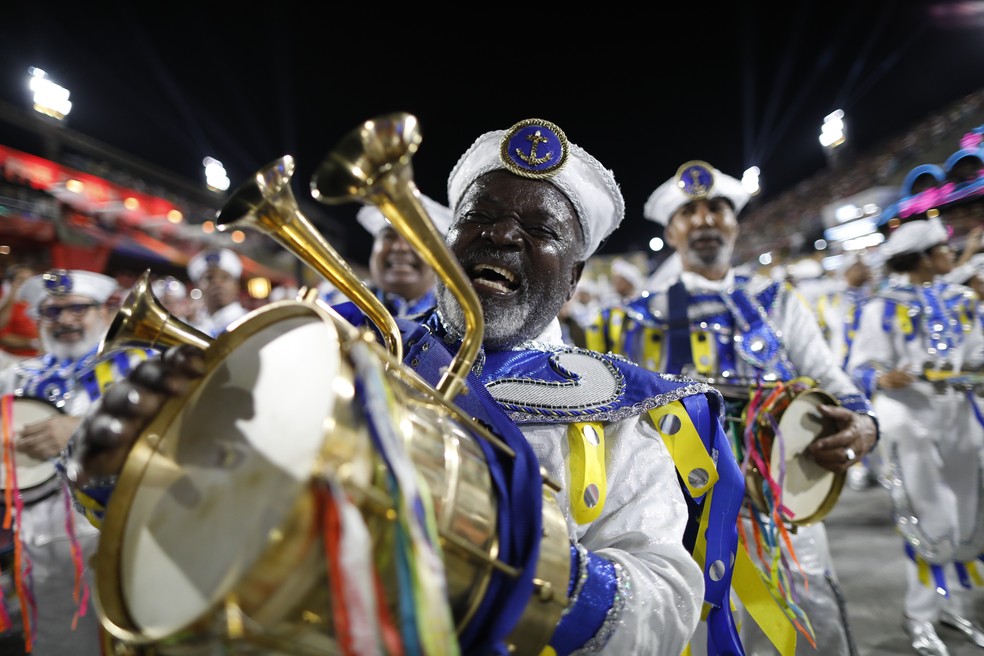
493	278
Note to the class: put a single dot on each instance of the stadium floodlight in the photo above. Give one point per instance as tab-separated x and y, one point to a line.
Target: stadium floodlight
50	99
215	174
833	133
750	180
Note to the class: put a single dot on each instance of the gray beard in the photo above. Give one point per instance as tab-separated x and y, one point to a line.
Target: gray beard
503	327
722	257
74	351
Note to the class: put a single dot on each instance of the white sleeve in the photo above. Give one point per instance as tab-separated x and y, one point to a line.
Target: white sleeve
808	350
641	529
872	346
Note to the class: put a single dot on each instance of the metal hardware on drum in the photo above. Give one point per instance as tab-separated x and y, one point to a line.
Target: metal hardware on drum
267	204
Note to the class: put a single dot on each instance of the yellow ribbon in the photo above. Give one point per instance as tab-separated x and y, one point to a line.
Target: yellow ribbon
589	482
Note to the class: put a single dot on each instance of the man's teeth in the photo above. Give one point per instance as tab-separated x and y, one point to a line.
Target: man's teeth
502	272
498	286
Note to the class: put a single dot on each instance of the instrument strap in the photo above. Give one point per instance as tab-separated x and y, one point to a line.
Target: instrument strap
678	332
702	469
519	489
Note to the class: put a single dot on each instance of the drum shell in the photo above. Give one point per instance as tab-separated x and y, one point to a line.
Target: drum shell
282	603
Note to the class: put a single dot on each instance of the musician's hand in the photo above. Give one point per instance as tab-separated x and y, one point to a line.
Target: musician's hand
856	433
896	379
46	439
127	408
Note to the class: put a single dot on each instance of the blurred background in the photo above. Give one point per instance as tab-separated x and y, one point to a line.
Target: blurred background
123	128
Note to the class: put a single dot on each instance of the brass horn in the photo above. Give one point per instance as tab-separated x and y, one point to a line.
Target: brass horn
372	165
142	321
267	204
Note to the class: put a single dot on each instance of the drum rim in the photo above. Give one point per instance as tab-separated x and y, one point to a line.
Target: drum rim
838	480
108	595
46	464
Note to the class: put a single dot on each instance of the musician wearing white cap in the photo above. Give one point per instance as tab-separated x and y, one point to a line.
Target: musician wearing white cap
839	314
217	272
72	315
745	333
529	209
399	276
917	335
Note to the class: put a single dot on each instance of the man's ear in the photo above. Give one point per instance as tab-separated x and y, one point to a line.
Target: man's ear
670	235
576	272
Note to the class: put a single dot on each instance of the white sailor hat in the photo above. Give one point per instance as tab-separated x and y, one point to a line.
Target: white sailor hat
65	282
370	218
694	180
629	271
539	150
221	258
914	237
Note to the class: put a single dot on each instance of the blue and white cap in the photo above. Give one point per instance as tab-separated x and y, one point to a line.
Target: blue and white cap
539	150
221	258
694	180
66	282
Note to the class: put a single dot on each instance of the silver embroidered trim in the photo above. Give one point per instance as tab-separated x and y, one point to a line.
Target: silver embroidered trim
597	383
623	591
527	415
582	577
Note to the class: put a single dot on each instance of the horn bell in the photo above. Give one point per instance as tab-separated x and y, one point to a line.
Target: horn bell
372	164
142	321
266	203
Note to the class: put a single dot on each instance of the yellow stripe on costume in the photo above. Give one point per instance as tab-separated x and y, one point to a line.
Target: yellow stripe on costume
905	321
975	576
702	346
90	506
652	348
616	321
685	446
589	481
104	374
923	568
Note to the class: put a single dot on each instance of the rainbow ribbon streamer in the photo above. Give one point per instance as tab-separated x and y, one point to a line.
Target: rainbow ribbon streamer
425	614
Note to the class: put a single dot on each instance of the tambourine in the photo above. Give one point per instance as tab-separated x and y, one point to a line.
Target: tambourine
783	427
35	479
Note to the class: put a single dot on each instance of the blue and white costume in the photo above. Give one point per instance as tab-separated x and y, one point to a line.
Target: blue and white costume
932	432
72	386
749	329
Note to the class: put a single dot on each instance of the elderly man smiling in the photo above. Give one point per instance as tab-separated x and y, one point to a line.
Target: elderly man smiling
529	209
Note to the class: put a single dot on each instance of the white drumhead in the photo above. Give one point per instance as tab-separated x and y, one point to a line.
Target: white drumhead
807	484
244	448
30	472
